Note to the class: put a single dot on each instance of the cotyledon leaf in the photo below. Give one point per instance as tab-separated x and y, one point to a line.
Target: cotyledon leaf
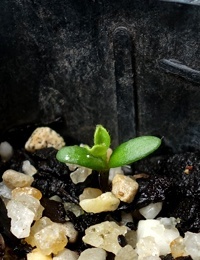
133	150
80	156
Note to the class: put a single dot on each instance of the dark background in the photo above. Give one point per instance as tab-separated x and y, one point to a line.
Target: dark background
132	66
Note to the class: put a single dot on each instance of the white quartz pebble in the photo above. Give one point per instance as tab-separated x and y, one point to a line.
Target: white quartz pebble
80	174
105	236
21	218
192	245
6	151
31	203
23	209
5	191
44	137
76	209
105	202
71	232
146	247
14	179
113	172
93	254
126	217
66	254
155	235
126	253
151	211
28	168
124	188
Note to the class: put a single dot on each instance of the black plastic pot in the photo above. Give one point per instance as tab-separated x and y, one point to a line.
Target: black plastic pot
132	66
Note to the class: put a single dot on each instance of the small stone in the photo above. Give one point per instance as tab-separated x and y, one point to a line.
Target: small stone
31	203
6	151
126	218
113	172
105	202
93	254
44	137
37	255
90	193
28	168
56	198
105	236
177	247
71	232
192	245
47	236
14	179
23	209
151	211
80	174
147	247
155	235
21	218
66	254
124	188
131	238
126	253
76	209
27	191
5	192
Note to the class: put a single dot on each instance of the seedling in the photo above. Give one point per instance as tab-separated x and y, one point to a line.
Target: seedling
96	158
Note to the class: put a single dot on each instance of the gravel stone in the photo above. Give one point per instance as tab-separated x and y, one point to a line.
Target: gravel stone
14	179
124	188
93	254
105	202
44	137
105	235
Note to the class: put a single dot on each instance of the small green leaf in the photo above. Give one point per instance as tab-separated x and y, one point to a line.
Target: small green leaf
98	150
133	150
101	136
80	156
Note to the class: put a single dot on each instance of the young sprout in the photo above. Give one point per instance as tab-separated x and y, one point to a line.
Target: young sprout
95	157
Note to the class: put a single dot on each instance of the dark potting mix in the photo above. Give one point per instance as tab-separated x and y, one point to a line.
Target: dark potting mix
78	202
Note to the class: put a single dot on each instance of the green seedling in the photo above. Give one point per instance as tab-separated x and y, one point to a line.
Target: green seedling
96	158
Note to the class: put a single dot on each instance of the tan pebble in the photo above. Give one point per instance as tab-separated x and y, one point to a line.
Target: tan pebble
177	247
90	193
49	237
36	254
13	179
105	236
27	190
44	137
105	202
93	254
124	188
